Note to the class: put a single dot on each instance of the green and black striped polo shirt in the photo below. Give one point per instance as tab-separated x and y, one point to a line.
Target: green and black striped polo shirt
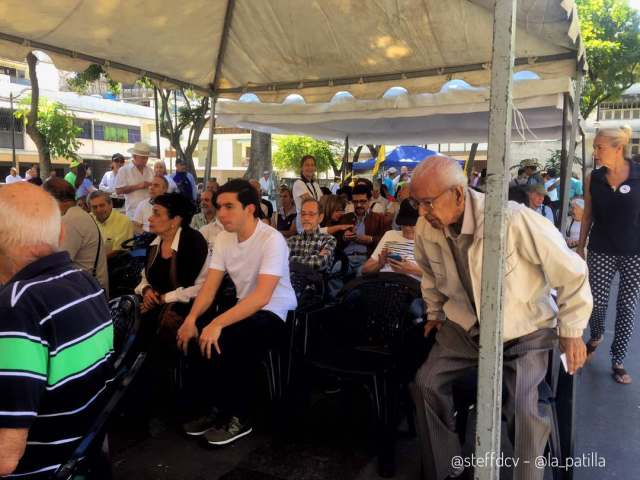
56	342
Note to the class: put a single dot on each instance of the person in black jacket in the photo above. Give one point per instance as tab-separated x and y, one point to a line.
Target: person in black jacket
176	261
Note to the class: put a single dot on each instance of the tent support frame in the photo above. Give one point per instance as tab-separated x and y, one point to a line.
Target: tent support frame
489	402
228	16
570	153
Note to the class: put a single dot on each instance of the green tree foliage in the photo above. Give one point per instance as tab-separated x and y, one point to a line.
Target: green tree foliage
192	112
292	148
56	125
611	34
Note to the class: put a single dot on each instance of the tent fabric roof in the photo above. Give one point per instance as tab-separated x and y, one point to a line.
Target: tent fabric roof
280	46
454	115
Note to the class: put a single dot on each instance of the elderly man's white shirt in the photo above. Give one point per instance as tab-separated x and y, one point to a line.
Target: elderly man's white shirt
130	175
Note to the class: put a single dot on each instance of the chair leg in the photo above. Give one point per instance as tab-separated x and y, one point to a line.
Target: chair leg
387	421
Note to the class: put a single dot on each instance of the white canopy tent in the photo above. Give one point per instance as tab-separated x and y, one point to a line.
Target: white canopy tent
225	48
453	115
275	47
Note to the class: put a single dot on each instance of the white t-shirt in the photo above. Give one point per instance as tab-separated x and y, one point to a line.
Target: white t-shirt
130	175
142	214
265	252
301	188
394	242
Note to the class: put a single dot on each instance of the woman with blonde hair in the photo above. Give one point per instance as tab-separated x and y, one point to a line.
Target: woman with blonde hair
611	222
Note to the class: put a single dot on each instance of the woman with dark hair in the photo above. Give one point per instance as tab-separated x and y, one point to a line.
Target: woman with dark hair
176	262
332	207
83	185
305	186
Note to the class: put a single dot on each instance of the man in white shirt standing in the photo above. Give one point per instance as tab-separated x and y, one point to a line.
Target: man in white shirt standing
108	182
133	180
13	176
265	183
256	258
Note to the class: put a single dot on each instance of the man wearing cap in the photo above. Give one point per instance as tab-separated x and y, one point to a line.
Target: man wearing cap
537	194
184	180
133	180
73	170
108	182
389	181
531	167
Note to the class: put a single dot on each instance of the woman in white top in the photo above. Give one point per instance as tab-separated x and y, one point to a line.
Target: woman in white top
159	168
306	186
573	228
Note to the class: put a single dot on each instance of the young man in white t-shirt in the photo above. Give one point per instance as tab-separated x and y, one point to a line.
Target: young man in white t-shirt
256	257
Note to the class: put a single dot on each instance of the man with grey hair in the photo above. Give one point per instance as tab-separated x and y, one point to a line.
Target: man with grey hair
56	339
115	227
82	238
448	249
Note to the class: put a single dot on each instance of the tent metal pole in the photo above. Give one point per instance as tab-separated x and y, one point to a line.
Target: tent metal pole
212	127
584	158
468	166
566	182
345	159
155	102
487	441
563	155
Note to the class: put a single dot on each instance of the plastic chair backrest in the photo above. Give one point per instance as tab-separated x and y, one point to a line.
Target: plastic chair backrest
126	322
91	442
376	309
309	285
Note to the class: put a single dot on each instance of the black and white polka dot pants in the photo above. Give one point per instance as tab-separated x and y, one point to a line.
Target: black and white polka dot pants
602	268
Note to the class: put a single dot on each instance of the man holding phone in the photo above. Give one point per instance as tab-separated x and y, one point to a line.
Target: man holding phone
368	228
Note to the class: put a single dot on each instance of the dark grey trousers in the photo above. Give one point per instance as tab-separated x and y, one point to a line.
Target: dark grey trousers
524	368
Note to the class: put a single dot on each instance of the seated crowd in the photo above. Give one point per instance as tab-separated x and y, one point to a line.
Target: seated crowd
55	292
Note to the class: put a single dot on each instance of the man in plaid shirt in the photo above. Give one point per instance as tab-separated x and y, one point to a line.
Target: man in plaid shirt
311	247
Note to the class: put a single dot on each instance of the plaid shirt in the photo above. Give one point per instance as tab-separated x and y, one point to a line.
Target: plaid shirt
305	248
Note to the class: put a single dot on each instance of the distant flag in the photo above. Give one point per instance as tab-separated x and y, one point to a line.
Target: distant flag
379	160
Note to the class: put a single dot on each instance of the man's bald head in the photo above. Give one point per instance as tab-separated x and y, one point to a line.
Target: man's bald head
440	172
439	185
31	222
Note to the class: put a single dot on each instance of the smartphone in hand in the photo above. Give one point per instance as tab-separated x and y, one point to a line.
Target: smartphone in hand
394	256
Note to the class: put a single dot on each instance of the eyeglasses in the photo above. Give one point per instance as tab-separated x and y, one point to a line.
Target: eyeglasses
429	202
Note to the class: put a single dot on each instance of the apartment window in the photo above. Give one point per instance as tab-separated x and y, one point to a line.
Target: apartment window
85	125
636	113
111	132
200	153
241	153
617	115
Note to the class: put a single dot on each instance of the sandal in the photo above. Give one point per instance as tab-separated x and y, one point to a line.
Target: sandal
620	375
592	345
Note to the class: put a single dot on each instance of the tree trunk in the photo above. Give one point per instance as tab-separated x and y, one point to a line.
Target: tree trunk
260	159
32	119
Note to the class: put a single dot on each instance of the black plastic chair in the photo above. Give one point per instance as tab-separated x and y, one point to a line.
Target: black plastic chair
125	266
91	459
309	285
366	331
126	322
465	393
